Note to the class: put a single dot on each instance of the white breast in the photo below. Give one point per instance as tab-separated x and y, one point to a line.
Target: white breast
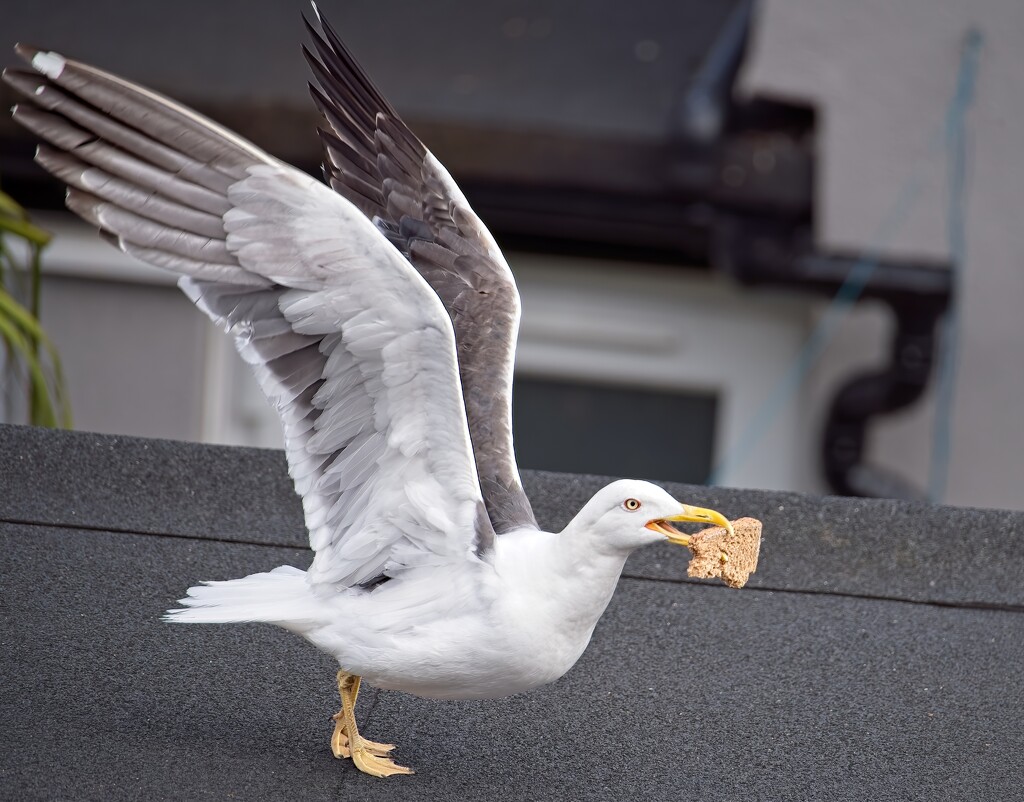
472	632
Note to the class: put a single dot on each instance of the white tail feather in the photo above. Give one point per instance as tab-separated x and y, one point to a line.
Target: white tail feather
282	597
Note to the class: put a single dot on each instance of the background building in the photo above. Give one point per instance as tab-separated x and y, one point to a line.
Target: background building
679	187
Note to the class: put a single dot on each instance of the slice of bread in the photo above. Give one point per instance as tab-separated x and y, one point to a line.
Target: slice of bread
732	558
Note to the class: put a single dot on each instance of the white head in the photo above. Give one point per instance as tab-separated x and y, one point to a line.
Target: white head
629	513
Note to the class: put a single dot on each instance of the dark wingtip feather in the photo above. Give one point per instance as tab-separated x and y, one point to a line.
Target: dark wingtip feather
48	62
24	81
26	52
309	25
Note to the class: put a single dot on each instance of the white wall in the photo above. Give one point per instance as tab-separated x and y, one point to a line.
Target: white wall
132	355
132	346
881	74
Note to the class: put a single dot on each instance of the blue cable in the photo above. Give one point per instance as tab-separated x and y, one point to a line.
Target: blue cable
956	143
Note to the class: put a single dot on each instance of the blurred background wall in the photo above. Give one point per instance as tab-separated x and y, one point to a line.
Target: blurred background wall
881	76
676	185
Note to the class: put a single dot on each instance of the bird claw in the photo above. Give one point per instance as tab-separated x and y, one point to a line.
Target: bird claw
341	747
377	748
375	764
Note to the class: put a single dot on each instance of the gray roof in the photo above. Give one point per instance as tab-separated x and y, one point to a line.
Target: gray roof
875	655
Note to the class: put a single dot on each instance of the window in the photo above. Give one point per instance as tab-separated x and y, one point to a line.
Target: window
578	427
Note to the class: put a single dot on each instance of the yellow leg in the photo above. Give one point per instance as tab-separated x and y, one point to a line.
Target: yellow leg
348	689
369	756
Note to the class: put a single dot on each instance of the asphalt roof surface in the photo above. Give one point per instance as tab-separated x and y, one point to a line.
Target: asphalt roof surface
875	655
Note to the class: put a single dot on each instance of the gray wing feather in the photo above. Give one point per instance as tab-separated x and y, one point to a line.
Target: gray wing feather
374	160
306	286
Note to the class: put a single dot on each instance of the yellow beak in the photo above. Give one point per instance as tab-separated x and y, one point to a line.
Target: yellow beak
692	514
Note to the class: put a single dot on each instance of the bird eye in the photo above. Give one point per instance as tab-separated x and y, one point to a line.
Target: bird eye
631	504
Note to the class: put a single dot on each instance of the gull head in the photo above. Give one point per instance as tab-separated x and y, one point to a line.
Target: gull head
628	514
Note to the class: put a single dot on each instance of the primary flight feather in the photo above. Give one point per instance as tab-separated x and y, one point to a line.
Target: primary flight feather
380	319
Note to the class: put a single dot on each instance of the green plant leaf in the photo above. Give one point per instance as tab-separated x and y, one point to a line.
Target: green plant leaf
9	207
20	347
23	337
25	230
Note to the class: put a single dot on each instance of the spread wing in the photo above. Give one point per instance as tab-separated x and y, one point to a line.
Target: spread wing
374	160
348	341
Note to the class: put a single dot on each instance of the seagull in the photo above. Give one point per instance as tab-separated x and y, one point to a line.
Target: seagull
380	319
